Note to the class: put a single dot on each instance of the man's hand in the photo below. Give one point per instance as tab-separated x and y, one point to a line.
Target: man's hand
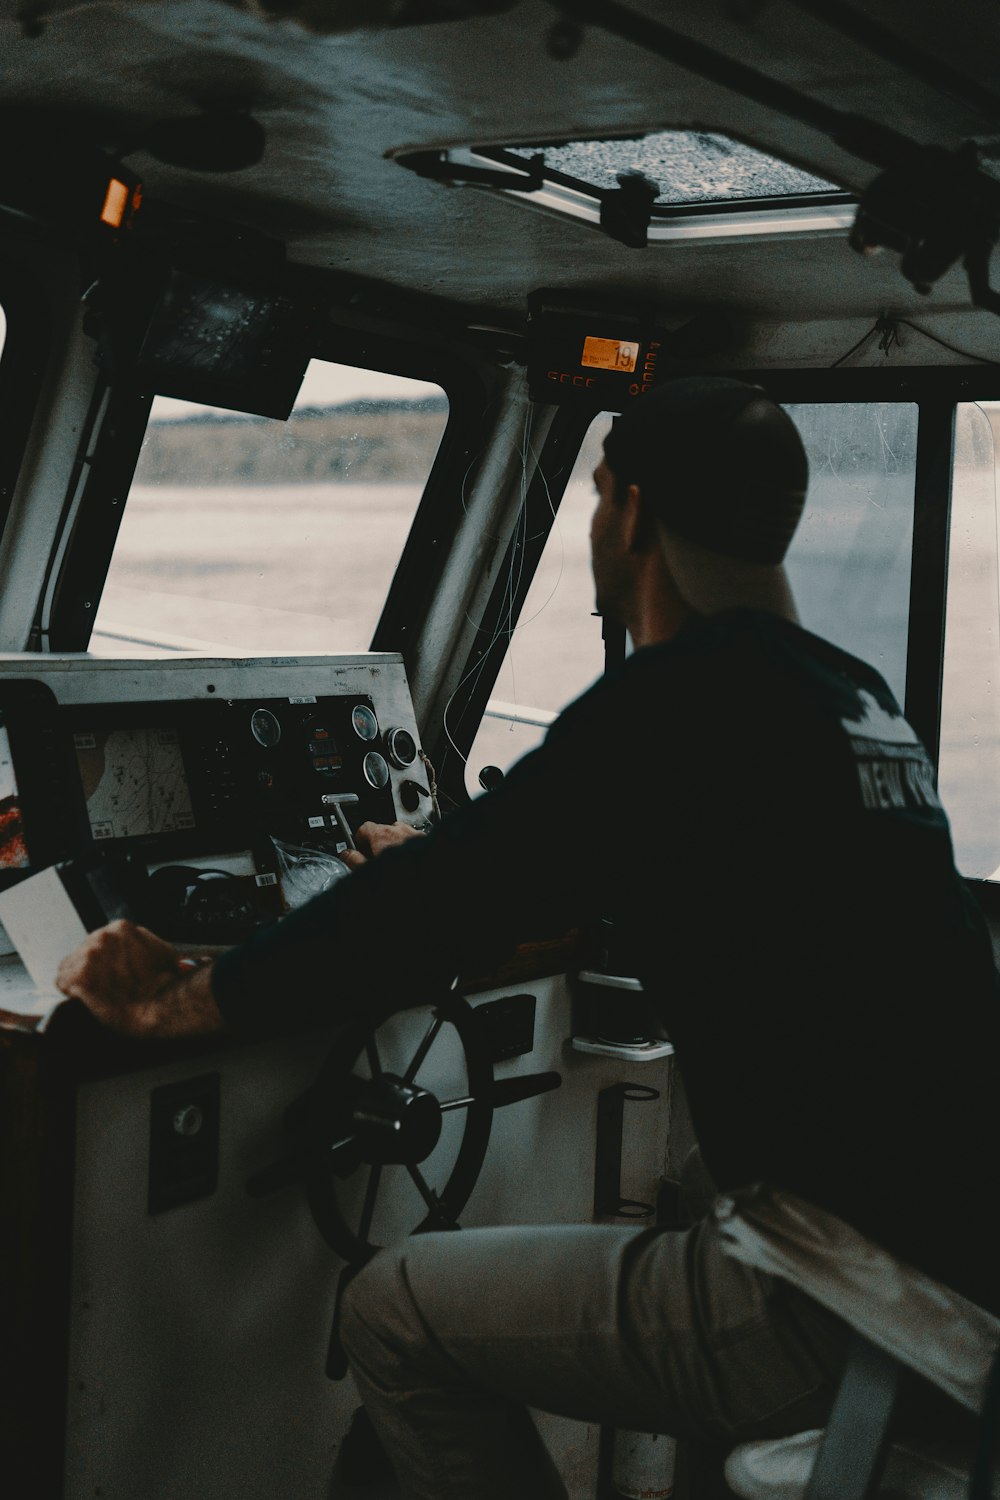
375	838
139	985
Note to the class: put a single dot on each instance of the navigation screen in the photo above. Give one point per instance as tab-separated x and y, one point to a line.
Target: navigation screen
134	782
609	354
13	850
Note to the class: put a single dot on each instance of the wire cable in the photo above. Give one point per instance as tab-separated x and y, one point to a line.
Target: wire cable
510	588
855	347
887	327
432	784
953	348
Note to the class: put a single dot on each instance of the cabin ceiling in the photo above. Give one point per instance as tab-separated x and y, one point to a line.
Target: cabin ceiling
336	107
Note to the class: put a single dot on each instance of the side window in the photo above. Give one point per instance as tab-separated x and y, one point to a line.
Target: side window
256	536
556	649
849	567
969	774
849	563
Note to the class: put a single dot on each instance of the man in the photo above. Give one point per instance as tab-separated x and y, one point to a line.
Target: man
779	863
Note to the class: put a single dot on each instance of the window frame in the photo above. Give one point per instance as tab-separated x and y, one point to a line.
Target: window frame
23	360
116	454
466	382
936	392
484	660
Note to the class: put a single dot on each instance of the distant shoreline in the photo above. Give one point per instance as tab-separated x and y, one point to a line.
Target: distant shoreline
371	442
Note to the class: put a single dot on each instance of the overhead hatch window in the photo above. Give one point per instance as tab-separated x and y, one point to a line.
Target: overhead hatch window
687	183
688	166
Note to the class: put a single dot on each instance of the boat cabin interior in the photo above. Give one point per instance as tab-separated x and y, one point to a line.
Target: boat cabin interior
314	316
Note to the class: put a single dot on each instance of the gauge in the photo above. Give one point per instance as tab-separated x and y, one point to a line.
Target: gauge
376	770
265	728
365	722
401	747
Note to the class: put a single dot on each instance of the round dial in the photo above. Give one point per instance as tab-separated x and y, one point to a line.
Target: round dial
376	770
365	722
265	728
401	747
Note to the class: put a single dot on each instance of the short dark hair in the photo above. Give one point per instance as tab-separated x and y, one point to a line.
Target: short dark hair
718	462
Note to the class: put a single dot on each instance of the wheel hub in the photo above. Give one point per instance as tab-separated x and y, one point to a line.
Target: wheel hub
394	1122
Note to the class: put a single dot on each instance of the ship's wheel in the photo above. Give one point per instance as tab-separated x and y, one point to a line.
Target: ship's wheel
352	1121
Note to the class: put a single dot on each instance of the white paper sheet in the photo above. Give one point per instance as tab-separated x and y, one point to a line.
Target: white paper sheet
44	925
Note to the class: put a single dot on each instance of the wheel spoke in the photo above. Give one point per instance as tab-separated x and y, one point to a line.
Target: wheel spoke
457	1103
374	1061
368	1208
425	1191
422	1051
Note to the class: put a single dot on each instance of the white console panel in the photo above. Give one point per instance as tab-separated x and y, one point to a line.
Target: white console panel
200	1334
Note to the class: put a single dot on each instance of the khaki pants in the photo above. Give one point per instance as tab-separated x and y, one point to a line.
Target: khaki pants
451	1336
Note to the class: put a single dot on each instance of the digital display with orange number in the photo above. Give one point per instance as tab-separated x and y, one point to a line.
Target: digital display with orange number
592	357
609	354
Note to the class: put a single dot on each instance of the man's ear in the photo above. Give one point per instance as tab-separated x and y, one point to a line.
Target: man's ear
638	527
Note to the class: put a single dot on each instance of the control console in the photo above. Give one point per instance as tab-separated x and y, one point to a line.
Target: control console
225	789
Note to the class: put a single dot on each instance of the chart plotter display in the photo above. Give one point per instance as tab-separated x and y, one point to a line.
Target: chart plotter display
182	778
134	782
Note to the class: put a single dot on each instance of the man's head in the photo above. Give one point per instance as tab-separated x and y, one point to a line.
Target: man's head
711	475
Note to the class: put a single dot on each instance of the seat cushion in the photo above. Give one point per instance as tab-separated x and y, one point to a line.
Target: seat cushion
779	1469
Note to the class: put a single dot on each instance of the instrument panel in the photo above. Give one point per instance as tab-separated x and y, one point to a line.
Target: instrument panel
252	768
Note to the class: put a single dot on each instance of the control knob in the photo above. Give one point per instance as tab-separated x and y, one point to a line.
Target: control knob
401	747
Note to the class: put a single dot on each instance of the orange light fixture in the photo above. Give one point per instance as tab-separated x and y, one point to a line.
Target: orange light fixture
116	202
